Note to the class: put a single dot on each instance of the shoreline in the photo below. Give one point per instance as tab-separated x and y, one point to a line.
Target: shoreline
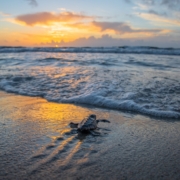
37	143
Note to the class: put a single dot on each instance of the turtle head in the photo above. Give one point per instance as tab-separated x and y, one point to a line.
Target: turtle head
93	116
73	125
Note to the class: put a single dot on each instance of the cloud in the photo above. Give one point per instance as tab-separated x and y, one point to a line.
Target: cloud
76	24
33	3
141	6
149	2
172	4
151	11
114	28
5	14
128	1
79	21
5	41
157	18
48	18
162	11
106	41
121	27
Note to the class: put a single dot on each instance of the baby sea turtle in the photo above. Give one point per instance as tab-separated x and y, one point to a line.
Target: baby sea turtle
88	125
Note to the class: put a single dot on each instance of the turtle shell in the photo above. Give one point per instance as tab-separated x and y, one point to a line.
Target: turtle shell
87	124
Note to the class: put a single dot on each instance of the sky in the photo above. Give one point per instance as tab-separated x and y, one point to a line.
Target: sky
59	23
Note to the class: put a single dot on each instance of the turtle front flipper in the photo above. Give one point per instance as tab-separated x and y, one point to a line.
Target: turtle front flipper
103	120
73	125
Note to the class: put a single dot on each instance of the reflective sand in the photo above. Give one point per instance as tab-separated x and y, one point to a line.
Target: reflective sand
37	143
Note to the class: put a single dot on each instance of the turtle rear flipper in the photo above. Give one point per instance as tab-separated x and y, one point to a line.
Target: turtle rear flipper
103	120
73	125
94	133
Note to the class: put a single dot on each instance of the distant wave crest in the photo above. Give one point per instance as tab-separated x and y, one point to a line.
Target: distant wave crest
122	49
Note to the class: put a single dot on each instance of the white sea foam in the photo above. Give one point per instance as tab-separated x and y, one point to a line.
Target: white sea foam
146	84
127	105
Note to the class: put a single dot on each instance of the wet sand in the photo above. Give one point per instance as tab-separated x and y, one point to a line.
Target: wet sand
37	143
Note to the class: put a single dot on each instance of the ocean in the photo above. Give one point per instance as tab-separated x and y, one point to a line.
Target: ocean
143	80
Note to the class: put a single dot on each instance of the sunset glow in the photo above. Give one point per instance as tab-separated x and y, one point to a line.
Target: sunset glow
45	23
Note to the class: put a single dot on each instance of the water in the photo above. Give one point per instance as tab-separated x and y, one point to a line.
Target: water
122	49
140	79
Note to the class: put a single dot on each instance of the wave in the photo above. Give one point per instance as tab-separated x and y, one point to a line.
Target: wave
99	101
144	84
92	94
126	105
122	49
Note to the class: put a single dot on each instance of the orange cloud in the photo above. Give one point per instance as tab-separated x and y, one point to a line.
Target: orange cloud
48	18
66	21
121	27
112	28
69	26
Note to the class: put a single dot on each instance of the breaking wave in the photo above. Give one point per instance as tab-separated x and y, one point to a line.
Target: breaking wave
143	84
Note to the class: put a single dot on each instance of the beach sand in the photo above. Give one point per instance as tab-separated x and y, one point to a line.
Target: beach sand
37	143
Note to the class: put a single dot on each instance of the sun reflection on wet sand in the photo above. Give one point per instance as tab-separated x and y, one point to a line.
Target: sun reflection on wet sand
44	128
72	153
38	143
50	157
